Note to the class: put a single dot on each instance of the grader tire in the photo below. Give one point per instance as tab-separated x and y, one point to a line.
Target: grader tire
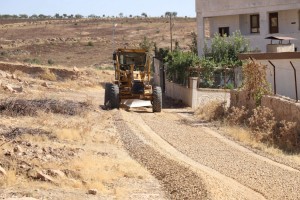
106	95
114	96
157	99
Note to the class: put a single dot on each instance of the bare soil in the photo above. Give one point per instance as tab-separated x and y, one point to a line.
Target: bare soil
85	42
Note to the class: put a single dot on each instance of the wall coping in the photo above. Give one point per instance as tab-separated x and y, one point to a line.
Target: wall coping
270	56
213	90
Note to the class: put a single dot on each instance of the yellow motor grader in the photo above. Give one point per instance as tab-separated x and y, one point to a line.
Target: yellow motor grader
131	86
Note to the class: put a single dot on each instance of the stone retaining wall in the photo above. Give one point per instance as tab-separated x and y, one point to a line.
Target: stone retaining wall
283	108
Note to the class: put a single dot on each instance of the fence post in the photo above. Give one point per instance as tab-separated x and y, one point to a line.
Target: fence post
193	97
296	85
274	70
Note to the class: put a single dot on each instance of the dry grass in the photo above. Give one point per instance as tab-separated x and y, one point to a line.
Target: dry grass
10	178
68	134
109	170
213	110
47	75
245	136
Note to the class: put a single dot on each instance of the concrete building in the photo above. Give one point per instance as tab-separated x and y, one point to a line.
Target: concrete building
256	19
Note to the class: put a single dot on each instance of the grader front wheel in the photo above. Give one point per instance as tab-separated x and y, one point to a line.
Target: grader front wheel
114	96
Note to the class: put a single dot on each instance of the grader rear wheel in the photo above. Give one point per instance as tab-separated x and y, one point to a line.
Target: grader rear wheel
157	99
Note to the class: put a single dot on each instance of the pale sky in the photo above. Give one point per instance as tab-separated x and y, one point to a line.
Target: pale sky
152	8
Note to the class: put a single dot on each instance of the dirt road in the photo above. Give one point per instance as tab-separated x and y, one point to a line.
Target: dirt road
195	162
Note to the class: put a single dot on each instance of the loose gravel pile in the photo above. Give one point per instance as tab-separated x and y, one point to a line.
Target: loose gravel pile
178	181
271	180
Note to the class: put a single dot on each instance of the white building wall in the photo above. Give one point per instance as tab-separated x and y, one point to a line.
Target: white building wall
288	21
211	8
233	22
236	15
285	78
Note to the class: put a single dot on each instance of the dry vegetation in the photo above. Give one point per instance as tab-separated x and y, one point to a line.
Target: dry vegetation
56	138
253	124
85	42
55	142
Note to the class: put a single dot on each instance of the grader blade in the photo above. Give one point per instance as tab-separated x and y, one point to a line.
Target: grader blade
135	103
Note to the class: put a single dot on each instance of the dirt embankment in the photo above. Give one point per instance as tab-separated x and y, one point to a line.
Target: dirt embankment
56	142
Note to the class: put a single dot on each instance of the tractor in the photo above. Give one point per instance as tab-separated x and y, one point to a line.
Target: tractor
131	86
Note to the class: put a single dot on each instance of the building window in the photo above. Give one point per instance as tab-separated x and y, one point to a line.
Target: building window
224	31
254	23
273	22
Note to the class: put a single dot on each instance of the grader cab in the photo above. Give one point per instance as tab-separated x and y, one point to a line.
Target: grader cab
131	86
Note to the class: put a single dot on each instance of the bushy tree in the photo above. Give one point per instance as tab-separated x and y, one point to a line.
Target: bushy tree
78	16
146	44
144	15
193	45
23	16
178	65
224	50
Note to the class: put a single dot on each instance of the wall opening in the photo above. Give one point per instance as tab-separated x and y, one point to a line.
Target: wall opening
224	31
273	23
254	23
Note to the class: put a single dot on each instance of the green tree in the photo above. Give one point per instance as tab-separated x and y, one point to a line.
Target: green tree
172	14
146	44
178	65
224	50
193	46
78	16
34	16
144	15
23	16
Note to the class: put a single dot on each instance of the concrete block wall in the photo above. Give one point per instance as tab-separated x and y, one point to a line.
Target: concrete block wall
179	92
205	96
193	96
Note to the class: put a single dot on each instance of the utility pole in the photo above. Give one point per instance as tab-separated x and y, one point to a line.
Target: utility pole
114	29
171	30
171	34
113	44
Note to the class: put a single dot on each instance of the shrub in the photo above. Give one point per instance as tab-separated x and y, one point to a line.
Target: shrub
255	80
237	116
32	61
146	44
262	123
286	136
90	44
214	110
50	62
48	75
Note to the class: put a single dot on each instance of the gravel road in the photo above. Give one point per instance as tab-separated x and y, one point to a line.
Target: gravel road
178	181
195	162
268	178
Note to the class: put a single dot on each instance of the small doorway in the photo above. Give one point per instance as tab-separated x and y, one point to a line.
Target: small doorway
273	22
